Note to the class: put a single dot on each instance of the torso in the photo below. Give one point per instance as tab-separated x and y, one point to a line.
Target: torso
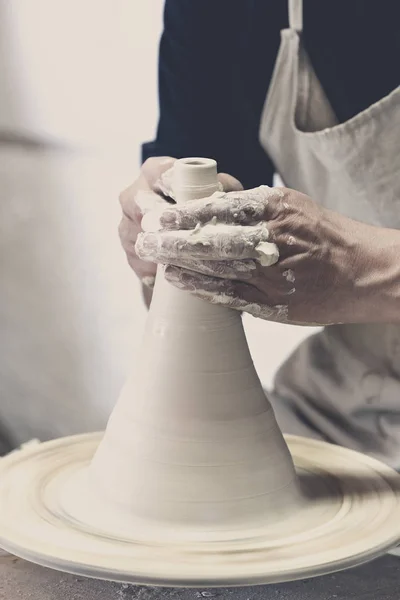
343	384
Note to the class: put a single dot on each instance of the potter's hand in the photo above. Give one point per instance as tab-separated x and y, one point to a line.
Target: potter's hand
143	195
151	191
272	252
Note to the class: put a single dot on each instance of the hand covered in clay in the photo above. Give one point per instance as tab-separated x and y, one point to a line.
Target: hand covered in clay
272	252
150	192
143	195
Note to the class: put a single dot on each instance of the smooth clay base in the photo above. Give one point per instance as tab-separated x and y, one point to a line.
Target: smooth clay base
349	514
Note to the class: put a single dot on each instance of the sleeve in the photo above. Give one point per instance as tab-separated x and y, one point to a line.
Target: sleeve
207	108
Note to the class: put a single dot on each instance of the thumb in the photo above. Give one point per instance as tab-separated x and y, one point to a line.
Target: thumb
154	167
229	183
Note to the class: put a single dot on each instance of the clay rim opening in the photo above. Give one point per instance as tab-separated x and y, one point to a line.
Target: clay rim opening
198	162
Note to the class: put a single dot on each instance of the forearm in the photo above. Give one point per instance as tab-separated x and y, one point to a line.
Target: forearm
382	287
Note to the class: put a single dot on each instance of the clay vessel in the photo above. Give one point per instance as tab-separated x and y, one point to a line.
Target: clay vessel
193	440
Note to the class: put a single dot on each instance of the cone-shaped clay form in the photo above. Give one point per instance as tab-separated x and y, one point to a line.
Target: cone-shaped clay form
193	440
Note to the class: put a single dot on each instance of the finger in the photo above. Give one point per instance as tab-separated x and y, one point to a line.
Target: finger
246	207
139	199
148	201
145	270
207	286
128	205
229	183
154	167
158	172
149	280
151	171
163	191
128	232
151	206
230	294
224	242
228	269
147	276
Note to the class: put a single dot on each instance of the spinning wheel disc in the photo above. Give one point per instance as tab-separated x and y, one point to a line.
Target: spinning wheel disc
350	514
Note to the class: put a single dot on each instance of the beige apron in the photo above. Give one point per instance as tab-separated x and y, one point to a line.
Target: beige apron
342	384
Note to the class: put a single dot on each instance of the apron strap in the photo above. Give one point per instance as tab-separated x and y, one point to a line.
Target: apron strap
296	15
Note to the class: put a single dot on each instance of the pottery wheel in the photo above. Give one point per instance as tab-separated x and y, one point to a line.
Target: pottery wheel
350	514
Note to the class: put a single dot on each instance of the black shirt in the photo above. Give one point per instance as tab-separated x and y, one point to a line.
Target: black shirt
217	58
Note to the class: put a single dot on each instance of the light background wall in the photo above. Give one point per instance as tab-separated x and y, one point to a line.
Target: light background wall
83	72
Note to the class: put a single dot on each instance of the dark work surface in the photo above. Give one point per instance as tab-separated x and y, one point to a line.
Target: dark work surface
378	580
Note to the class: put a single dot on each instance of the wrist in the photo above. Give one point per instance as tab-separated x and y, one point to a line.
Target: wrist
379	277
